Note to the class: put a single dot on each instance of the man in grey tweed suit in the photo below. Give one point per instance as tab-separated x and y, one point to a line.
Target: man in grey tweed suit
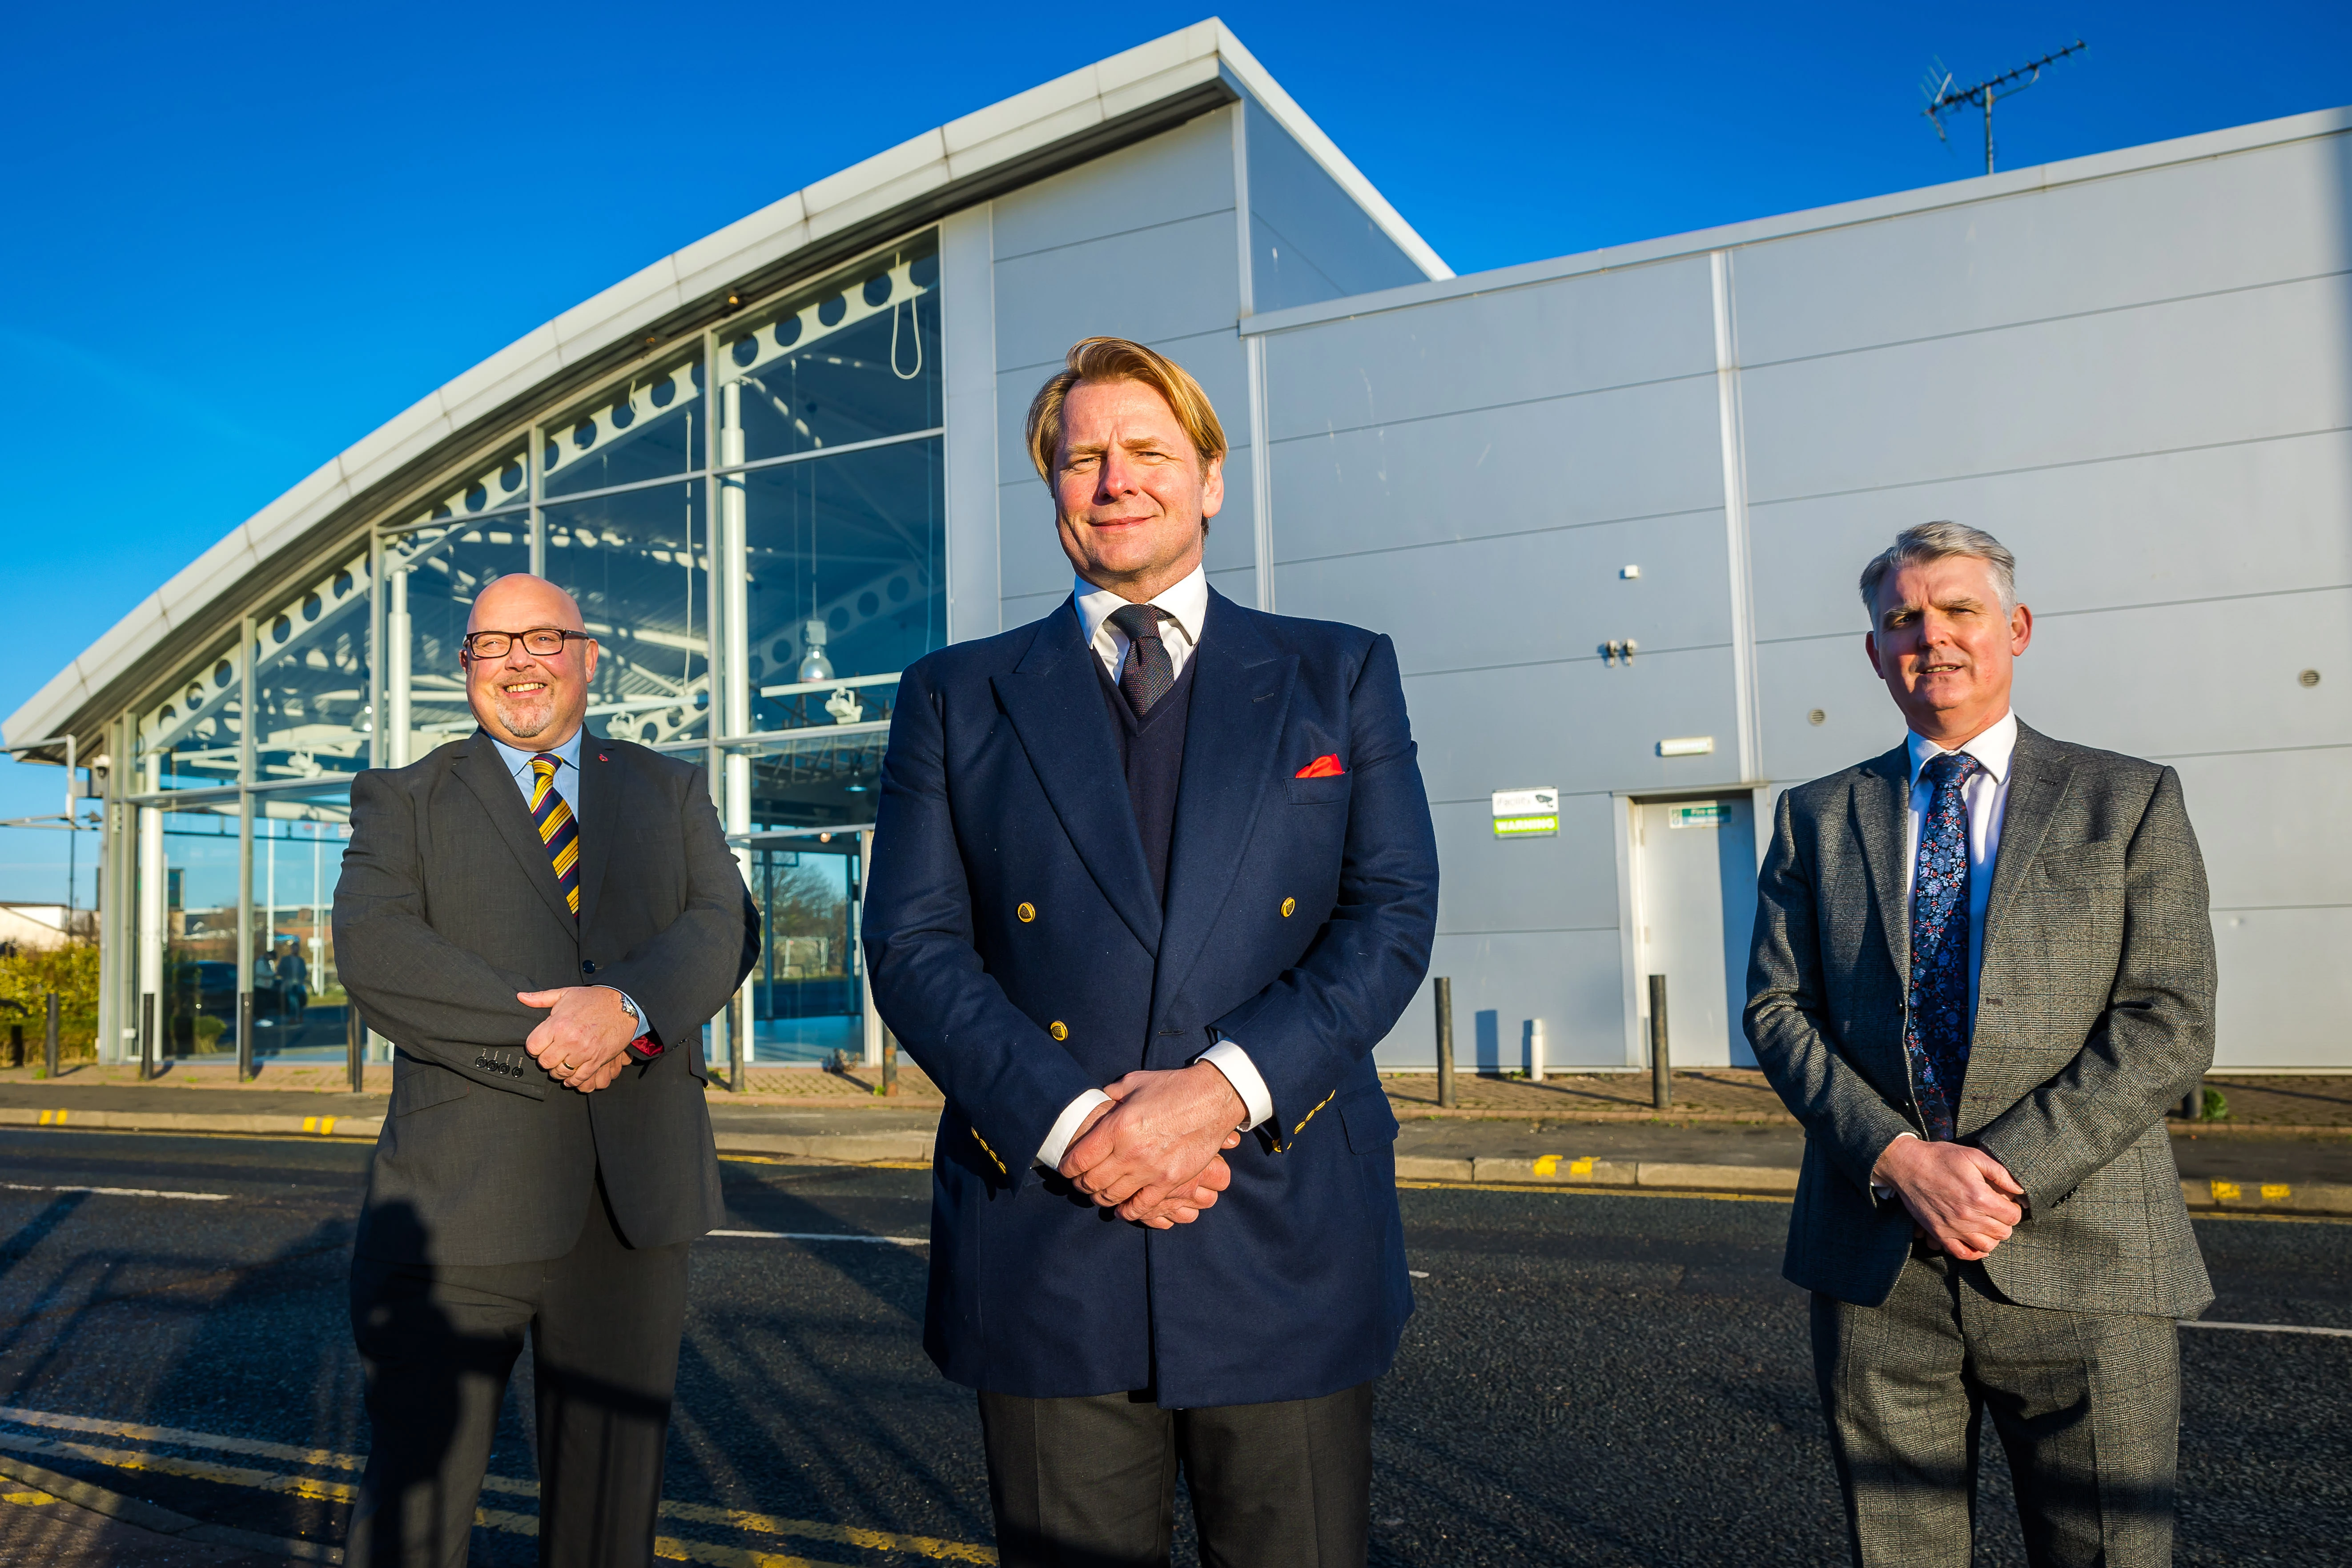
1983	969
541	922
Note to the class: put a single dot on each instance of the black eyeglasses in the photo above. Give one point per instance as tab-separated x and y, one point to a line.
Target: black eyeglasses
544	642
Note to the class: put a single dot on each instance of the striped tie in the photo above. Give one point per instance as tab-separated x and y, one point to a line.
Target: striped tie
552	814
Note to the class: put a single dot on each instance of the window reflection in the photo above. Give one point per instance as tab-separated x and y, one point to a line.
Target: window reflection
310	679
844	561
196	994
649	428
853	358
299	1004
636	562
825	780
189	737
433	575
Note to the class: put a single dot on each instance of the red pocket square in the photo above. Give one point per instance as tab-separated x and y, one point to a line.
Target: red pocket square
1326	766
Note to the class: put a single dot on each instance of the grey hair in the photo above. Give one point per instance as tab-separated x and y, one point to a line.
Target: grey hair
1927	541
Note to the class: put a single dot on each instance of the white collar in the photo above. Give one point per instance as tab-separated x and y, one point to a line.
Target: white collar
1187	602
1994	749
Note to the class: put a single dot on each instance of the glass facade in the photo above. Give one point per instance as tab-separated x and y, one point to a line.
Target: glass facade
753	524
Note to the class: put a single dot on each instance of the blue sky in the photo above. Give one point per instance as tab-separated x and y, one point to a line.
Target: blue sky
240	237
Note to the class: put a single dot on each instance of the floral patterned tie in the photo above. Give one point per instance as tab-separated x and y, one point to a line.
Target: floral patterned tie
1936	1028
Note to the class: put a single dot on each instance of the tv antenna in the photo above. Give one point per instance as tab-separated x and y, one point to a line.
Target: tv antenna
1943	97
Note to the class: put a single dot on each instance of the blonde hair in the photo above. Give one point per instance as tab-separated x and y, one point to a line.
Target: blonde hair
1117	359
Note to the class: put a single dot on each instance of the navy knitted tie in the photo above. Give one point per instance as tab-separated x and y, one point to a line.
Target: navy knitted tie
1936	1028
1149	672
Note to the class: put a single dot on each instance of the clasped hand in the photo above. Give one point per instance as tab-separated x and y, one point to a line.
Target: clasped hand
1962	1197
583	1041
1153	1154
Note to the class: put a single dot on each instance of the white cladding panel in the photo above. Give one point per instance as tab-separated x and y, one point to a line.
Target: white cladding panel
2142	382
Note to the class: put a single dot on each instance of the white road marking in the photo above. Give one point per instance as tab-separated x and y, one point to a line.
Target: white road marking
122	1192
821	1235
2268	1328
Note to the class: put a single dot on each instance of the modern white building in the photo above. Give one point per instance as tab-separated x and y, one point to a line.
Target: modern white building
1611	507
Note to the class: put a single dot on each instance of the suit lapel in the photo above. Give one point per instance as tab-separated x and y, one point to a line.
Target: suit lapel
1241	698
1055	702
602	782
1881	803
483	772
2038	777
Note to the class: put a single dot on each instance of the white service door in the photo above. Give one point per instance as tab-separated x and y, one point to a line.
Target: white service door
1694	904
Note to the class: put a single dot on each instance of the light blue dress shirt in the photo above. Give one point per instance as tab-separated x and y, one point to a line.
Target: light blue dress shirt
567	785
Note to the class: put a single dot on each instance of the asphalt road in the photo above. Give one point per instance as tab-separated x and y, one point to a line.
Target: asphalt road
1591	1379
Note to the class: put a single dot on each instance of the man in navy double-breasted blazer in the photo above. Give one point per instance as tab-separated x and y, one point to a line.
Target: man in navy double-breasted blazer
1152	877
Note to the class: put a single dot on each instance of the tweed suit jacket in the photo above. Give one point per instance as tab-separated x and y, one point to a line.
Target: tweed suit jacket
2094	1011
447	907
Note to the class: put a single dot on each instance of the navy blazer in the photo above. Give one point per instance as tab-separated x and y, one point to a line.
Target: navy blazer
1018	952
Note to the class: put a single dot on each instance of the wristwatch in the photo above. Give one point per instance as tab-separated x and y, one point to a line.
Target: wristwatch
645	1048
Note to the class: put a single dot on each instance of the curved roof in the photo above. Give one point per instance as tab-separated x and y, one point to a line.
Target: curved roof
1064	122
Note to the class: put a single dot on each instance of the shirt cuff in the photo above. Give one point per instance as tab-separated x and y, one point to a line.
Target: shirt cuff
1232	1061
1065	1127
1880	1190
645	1048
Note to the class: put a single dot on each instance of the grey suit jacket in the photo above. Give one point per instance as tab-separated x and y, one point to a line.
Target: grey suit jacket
447	907
2094	1011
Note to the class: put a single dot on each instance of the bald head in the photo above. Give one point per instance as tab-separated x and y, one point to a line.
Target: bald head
532	701
519	601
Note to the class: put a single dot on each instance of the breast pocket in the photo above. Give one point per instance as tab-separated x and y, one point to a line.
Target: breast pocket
1321	791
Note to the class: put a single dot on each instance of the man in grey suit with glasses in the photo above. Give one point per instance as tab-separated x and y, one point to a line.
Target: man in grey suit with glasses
541	922
1983	969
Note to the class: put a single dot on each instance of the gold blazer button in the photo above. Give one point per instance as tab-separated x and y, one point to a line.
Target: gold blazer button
1058	1029
1027	912
1289	907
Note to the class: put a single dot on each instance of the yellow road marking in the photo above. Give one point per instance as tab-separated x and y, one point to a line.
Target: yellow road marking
321	1125
1591	1191
53	1119
336	1491
1551	1163
28	1500
2224	1192
1580	1167
2274	1192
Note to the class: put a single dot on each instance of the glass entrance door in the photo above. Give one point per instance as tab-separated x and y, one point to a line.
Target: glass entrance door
806	991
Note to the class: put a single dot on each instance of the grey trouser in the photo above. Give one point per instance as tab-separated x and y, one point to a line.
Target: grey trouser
437	1344
2087	1408
1091	1482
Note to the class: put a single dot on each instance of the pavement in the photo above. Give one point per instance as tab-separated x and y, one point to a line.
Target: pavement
2286	1147
1592	1379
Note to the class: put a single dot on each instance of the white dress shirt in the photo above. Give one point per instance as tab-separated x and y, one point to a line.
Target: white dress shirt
1987	794
1185	606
